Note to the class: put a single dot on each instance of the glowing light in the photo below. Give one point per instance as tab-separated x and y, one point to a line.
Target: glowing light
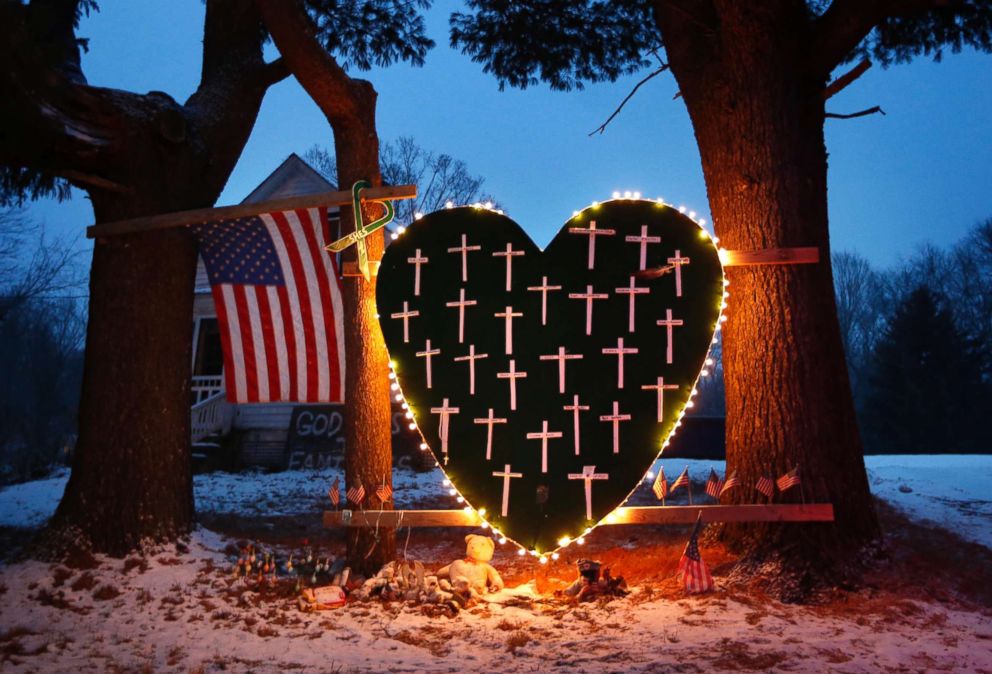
449	204
611	518
575	214
580	540
452	492
394	386
404	406
542	559
391	375
564	540
394	236
692	214
412	426
502	541
682	209
446	483
555	555
409	414
649	475
637	195
709	361
401	229
616	195
521	552
423	445
626	195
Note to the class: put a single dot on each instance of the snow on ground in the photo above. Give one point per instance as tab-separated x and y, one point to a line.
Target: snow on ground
184	612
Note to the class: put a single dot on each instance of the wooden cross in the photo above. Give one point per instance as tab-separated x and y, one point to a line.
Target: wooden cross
406	315
471	358
506	475
588	474
633	290
464	250
619	351
416	261
509	254
445	411
461	303
669	323
592	233
489	421
544	435
428	354
513	376
543	289
508	315
615	419
644	240
677	262
589	296
661	387
561	357
575	408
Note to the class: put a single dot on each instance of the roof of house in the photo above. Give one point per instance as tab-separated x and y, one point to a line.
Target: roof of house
294	177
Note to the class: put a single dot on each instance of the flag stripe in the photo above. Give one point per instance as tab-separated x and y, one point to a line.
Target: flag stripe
249	364
310	303
309	221
279	337
331	290
261	365
237	347
230	380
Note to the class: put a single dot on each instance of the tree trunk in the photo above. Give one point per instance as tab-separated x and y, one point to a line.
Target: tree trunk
758	121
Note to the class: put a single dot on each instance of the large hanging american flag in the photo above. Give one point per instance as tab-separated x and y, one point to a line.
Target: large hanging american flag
695	576
278	300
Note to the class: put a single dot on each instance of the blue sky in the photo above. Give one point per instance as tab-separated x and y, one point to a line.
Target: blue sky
921	173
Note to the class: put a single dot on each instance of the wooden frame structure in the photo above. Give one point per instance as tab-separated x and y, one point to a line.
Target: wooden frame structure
680	514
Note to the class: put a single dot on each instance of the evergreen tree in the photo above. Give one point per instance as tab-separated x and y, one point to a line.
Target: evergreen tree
926	390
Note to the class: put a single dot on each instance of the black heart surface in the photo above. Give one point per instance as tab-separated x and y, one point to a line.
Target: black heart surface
536	377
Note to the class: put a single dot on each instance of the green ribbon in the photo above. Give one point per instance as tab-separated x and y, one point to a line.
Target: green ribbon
362	230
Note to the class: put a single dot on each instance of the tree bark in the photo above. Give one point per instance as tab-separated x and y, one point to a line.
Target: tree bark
135	155
349	105
758	119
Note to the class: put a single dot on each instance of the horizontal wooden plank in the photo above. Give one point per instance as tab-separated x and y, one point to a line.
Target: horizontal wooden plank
680	514
750	258
350	268
185	218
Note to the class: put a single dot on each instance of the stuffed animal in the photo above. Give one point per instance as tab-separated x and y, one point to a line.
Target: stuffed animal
475	571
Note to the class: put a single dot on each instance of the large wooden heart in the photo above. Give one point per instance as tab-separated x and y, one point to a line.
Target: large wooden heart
546	383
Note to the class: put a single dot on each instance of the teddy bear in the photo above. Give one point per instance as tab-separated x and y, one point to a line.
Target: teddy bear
474	571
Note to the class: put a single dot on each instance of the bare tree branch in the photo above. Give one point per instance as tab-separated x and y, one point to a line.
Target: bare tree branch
846	79
602	127
861	113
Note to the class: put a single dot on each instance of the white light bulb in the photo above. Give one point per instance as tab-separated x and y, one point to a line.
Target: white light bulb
637	195
449	204
394	236
452	492
520	551
543	559
616	195
554	555
626	195
412	426
401	229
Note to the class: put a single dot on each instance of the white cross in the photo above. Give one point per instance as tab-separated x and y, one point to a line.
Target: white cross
508	315
620	351
509	254
588	296
464	250
561	357
661	387
633	290
575	408
428	354
506	475
678	261
588	474
513	376
461	303
471	358
543	289
544	435
592	233
669	323
489	421
445	411
417	260
406	315
644	240
615	419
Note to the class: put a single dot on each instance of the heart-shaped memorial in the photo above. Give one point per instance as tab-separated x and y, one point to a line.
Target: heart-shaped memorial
546	383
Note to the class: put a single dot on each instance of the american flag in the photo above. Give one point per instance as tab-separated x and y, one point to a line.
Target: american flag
384	492
765	486
695	576
682	480
660	486
334	493
279	306
356	494
789	480
714	485
730	483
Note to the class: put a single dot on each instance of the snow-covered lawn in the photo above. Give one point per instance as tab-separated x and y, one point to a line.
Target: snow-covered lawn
183	611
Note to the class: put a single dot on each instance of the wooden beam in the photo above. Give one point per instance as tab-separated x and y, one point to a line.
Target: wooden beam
350	268
186	218
680	514
751	258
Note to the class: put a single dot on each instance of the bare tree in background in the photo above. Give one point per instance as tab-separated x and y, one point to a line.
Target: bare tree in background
439	178
862	302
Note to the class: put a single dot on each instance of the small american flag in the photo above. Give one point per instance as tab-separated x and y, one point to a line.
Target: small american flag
714	485
660	486
334	493
384	492
789	480
278	301
682	480
765	486
356	494
730	483
692	569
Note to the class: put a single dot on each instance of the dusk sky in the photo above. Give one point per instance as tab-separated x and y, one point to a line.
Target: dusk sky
921	173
